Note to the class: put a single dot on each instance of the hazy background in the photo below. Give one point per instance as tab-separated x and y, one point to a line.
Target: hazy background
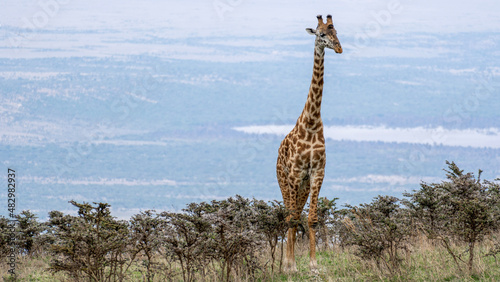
154	104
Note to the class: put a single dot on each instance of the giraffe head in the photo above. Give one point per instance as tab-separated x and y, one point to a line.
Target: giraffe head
326	35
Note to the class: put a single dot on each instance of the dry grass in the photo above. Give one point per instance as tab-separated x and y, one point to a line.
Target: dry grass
425	261
32	269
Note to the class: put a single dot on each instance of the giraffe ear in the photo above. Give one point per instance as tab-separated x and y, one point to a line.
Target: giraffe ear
311	31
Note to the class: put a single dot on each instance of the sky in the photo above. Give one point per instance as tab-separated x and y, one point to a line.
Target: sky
55	23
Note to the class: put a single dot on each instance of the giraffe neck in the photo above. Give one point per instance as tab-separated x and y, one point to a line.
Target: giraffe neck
312	109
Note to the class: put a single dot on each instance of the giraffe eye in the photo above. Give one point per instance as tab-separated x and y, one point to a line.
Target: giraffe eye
322	34
330	26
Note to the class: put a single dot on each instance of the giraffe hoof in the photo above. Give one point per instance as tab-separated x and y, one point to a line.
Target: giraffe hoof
314	271
313	266
291	269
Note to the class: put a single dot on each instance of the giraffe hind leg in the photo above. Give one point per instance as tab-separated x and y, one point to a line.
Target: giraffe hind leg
317	181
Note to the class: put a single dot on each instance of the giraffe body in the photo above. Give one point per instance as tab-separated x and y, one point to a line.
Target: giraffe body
300	167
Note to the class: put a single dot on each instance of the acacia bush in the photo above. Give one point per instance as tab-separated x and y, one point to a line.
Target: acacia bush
271	223
380	231
30	233
146	231
327	219
220	238
185	241
462	210
233	238
89	246
4	236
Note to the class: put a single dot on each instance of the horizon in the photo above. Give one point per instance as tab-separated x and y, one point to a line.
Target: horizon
150	104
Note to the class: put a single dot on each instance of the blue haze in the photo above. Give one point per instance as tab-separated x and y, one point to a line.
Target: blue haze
152	130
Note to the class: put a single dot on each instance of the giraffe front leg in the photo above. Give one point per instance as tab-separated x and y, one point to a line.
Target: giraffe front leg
290	264
312	221
313	218
294	185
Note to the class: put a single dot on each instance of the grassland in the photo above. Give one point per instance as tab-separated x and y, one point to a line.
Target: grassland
424	261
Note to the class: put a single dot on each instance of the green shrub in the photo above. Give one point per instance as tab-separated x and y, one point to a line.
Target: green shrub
380	231
5	231
462	209
91	245
271	223
185	242
146	230
29	233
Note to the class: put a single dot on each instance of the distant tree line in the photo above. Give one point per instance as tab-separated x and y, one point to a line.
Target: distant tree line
240	237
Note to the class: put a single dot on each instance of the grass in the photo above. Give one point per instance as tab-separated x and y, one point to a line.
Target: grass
426	261
32	269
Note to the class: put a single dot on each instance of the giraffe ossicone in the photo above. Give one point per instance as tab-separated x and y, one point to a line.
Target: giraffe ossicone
300	168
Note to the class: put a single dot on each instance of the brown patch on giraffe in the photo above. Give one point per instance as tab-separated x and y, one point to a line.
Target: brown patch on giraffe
301	146
305	157
317	154
309	137
313	108
318	103
302	132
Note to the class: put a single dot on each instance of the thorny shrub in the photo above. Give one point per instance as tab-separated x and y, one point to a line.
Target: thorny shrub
462	209
380	231
89	246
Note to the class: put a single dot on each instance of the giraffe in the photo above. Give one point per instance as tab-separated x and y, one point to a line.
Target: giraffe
300	168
